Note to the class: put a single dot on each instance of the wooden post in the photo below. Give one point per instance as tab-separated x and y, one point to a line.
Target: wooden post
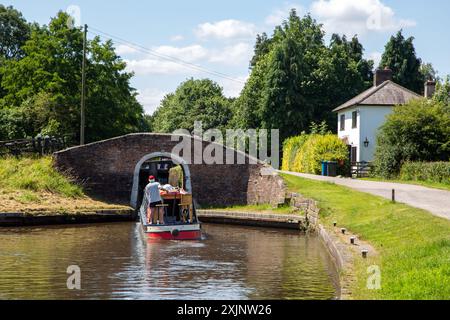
83	88
393	195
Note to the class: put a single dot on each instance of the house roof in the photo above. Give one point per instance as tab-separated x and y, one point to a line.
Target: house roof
386	94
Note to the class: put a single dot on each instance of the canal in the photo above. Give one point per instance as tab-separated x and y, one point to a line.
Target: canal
117	263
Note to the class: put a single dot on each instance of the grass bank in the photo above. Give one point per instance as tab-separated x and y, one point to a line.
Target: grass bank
413	246
32	185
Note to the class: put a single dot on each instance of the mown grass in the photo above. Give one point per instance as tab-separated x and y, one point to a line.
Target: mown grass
413	246
35	175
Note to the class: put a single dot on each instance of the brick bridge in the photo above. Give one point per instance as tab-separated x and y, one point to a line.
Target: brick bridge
110	170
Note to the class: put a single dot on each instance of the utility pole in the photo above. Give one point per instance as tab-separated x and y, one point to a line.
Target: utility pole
83	88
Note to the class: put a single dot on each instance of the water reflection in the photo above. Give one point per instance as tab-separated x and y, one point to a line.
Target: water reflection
118	262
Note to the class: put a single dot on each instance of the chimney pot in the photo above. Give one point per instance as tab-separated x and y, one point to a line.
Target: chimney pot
430	89
381	76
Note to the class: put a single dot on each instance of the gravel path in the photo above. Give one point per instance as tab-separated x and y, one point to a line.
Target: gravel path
433	200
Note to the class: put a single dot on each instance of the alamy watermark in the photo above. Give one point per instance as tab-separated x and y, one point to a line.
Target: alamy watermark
374	278
236	146
74	13
74	280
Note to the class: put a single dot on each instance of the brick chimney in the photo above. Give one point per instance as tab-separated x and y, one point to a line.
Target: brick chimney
430	89
381	76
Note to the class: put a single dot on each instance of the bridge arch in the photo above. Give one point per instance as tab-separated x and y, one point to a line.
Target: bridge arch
108	169
175	159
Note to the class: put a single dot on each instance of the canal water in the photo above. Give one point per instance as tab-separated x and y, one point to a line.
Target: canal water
117	262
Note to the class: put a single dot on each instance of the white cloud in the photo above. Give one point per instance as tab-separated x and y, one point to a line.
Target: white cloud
376	57
125	49
189	53
233	88
152	64
177	37
232	55
226	29
281	14
352	17
150	98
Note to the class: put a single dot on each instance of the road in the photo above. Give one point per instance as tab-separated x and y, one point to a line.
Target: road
433	200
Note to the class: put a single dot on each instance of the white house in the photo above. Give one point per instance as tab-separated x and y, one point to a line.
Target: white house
360	118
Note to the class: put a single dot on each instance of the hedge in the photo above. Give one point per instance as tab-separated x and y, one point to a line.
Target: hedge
290	148
306	152
426	171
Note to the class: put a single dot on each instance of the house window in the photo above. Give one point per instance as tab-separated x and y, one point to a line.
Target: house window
343	122
354	119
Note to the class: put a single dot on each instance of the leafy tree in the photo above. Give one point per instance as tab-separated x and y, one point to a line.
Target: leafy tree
262	47
14	31
46	83
417	131
296	78
442	93
428	72
400	57
194	100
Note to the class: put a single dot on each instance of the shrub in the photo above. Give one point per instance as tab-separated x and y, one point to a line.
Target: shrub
417	131
290	148
426	171
306	152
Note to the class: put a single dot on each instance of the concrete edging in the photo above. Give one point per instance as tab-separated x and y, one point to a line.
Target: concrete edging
42	219
254	219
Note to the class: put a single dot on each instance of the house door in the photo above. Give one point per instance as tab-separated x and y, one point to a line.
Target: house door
354	154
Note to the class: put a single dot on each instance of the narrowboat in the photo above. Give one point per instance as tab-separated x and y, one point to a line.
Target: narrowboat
178	217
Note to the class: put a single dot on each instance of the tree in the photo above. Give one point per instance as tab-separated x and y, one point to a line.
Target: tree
194	100
297	79
417	131
428	72
50	73
400	57
262	47
14	32
442	93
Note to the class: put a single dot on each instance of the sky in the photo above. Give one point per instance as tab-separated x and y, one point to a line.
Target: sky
167	42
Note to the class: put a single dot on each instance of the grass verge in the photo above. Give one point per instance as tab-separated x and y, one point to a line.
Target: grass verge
413	246
33	185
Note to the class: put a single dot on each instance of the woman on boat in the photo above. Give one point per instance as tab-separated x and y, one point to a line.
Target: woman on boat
154	199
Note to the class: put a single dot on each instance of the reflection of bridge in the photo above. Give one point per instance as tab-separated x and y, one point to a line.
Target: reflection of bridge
110	168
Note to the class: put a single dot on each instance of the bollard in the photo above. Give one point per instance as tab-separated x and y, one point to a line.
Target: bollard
364	253
393	195
352	240
343	230
334	223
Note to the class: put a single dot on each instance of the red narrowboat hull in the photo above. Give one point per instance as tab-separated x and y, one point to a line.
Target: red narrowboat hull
183	235
173	232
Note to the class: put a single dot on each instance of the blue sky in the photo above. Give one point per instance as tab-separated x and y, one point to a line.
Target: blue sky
219	36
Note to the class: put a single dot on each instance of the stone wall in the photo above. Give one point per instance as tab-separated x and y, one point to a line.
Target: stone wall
106	169
308	206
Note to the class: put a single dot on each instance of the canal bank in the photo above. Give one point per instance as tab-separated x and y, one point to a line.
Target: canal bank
46	219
